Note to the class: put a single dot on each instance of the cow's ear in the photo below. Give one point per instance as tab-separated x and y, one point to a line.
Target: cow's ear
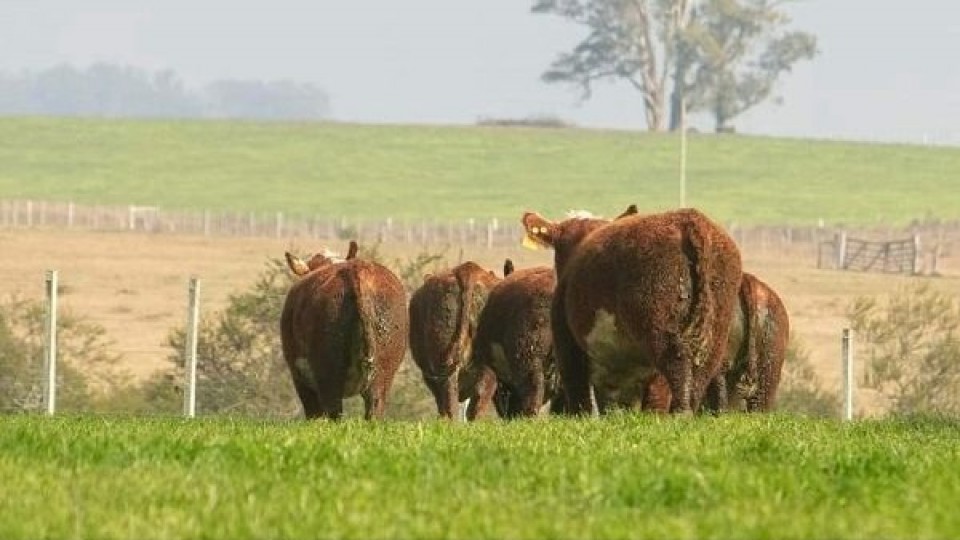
507	267
631	210
539	232
297	266
352	251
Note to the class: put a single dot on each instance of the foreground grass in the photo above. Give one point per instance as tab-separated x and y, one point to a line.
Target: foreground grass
624	476
357	171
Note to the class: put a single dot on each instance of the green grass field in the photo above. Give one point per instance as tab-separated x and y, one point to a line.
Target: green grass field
360	171
624	476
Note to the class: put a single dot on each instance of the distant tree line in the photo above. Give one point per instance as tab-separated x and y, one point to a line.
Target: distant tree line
124	91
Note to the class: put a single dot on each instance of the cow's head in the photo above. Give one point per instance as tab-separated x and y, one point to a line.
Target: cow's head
322	258
563	236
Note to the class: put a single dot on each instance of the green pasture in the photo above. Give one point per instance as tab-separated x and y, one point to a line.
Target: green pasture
444	172
623	476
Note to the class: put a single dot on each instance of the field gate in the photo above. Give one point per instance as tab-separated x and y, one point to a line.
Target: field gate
895	256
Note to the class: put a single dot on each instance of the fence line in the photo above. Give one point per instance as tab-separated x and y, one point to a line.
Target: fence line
936	235
191	358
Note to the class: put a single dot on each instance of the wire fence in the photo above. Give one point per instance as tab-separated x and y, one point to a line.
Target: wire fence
45	380
934	235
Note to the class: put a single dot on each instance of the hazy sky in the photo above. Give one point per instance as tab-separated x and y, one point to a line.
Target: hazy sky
888	70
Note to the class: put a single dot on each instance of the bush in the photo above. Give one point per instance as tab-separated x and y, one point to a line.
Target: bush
911	349
240	368
85	369
536	121
800	391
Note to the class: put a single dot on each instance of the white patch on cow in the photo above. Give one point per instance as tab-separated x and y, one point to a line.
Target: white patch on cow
331	255
602	340
617	363
581	214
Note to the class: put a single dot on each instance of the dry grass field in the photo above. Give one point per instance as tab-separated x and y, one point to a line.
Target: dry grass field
135	284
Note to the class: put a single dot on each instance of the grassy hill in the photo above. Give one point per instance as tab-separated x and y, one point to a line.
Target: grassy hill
624	476
458	172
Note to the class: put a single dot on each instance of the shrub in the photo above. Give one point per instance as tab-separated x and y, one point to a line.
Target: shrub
800	391
85	369
535	121
240	368
910	347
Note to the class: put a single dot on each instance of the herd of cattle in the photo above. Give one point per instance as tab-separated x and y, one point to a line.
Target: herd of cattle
645	311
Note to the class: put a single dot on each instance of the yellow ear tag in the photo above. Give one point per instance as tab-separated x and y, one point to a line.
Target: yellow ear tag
529	243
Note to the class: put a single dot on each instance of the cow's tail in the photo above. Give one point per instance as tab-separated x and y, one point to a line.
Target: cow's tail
367	313
461	336
752	329
696	336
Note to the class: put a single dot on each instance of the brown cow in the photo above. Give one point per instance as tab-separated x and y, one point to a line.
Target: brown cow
756	349
344	332
443	320
514	339
640	295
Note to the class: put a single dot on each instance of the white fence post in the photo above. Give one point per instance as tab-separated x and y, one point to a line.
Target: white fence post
193	316
917	256
841	247
50	344
847	354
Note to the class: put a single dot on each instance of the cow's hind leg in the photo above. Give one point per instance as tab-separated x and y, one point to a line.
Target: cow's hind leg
303	381
375	397
716	399
501	400
329	391
530	395
571	362
445	393
679	374
483	398
308	397
330	402
374	403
